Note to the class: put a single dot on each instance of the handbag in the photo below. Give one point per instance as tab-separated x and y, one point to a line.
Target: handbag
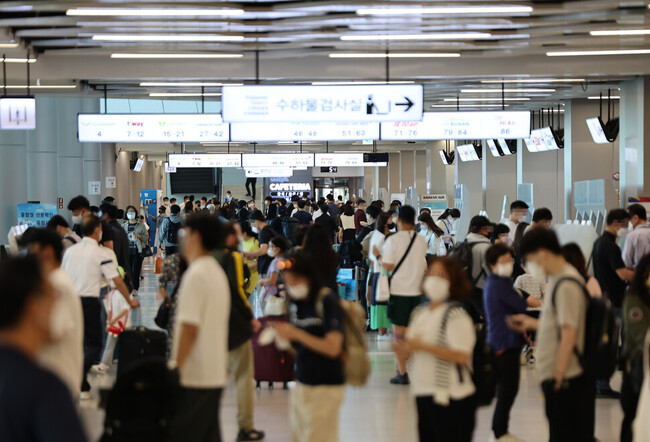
147	252
165	310
275	306
159	261
383	287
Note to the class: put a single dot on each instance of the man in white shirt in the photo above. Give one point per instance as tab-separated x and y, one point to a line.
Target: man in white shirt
201	336
405	257
518	213
88	265
637	242
64	355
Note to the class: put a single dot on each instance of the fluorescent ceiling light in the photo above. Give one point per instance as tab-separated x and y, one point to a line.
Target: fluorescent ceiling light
40	86
396	55
488	99
536	80
621	32
171	56
183	94
498	91
589	53
166	12
613	97
447	10
18	60
9	45
359	83
468	105
430	36
166	38
186	84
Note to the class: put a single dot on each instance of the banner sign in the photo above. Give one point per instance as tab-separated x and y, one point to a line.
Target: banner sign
35	215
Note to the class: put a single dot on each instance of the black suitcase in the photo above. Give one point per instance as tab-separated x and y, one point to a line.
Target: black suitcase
140	344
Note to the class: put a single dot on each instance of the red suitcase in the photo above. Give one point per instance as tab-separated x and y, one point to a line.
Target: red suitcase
271	364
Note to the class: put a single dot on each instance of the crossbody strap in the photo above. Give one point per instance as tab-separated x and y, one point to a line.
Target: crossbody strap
399	264
580	357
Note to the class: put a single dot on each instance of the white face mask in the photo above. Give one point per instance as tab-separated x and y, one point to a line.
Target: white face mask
504	270
77	219
506	240
130	215
255	229
101	235
298	292
536	271
622	233
436	288
271	252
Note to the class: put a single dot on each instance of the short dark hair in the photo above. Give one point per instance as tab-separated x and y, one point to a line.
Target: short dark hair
500	229
79	202
407	215
638	210
518	204
209	228
175	209
172	200
20	279
109	199
330	197
542	214
538	239
56	221
282	210
257	215
373	211
477	223
165	198
348	210
324	208
204	198
281	243
301	204
455	213
268	198
617	215
45	238
361	201
89	224
497	251
110	210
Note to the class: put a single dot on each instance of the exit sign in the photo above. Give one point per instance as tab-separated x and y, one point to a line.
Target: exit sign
331	169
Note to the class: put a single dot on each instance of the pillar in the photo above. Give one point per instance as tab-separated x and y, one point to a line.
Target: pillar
634	137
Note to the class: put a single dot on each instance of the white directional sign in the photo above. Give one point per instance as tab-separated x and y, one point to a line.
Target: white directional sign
460	126
303	131
322	103
151	128
339	159
205	160
17	113
278	160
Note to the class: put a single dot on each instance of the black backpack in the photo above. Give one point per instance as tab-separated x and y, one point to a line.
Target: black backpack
463	253
172	232
142	404
289	226
602	328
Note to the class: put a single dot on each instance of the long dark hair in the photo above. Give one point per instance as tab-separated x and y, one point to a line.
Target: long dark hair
382	221
640	279
573	254
519	234
426	219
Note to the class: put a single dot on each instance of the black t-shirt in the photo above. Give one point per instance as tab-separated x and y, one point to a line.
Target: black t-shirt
34	403
328	222
107	233
264	261
314	368
607	258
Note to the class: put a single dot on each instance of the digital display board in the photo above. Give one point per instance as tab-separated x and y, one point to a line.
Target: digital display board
205	160
303	131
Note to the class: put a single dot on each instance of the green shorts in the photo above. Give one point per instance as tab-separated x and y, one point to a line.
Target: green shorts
401	307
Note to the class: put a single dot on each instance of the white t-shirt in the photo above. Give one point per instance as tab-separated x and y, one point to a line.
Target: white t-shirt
435	245
377	239
407	281
87	264
425	326
204	301
65	356
347	222
512	226
117	304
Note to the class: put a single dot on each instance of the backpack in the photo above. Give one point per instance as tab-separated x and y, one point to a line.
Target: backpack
463	253
141	405
172	232
289	226
602	328
356	363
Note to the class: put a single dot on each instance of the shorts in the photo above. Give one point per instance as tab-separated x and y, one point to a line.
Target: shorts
401	307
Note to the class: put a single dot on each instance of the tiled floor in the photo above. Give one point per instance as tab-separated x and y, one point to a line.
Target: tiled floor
378	412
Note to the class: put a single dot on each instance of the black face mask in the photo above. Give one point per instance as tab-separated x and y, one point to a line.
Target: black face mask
391	226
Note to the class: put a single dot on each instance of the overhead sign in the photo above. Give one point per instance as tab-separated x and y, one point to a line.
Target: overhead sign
169	169
17	113
542	140
339	159
278	160
205	160
151	128
263	172
322	103
460	126
437	204
303	131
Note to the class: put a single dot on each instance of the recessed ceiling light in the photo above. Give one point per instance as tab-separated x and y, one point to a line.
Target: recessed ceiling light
18	60
498	91
621	32
9	45
447	10
430	36
536	80
590	53
186	84
358	83
167	12
396	55
173	56
183	94
468	105
613	97
167	38
488	99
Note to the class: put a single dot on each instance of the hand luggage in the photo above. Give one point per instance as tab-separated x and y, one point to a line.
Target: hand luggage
271	364
139	344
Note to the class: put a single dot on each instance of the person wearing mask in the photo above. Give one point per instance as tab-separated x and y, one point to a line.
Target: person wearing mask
636	323
264	235
64	355
316	332
301	214
35	405
500	235
433	236
80	207
200	348
334	208
569	392
243	213
138	240
229	197
251	205
327	221
166	205
447	223
518	214
276	224
59	225
542	217
120	241
186	199
251	183
378	310
169	237
501	301
479	232
442	358
637	241
612	275
87	265
407	249
360	219
162	215
372	212
270	283
250	244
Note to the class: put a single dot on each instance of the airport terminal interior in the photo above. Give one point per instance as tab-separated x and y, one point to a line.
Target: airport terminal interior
395	194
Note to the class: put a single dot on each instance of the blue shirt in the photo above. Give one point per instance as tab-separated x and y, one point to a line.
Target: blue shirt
501	300
162	235
302	217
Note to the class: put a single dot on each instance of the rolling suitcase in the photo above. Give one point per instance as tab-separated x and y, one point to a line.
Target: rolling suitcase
139	344
271	364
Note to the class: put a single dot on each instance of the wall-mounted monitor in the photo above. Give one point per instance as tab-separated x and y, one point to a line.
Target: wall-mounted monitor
507	147
603	133
18	113
468	152
447	158
493	148
138	165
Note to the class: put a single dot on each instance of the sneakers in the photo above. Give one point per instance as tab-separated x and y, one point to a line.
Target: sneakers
85	396
506	438
385	337
607	394
401	379
100	368
249	435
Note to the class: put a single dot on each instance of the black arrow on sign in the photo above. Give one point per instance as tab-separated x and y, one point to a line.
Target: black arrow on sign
409	104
